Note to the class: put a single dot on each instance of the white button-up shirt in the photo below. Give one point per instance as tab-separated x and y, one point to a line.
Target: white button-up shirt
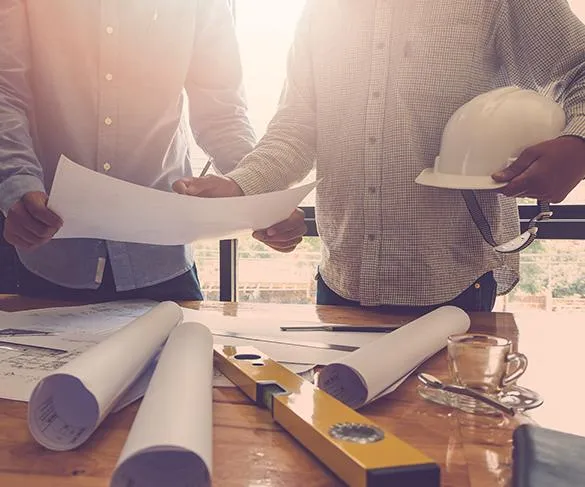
104	82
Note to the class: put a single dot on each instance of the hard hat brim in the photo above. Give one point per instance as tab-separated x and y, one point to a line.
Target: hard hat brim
456	181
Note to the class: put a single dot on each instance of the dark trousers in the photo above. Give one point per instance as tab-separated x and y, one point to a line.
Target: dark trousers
17	279
184	287
480	296
8	260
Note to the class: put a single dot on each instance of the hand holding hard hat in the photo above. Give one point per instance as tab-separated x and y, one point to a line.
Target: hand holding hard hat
489	133
508	139
547	171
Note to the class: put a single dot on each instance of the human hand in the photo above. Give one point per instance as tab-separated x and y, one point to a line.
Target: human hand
210	186
285	235
547	171
29	223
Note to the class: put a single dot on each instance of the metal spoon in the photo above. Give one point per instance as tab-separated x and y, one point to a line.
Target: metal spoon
431	381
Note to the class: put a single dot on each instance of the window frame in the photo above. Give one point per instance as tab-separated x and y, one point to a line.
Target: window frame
567	223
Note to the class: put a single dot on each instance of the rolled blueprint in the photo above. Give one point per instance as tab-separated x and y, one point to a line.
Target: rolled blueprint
379	367
67	406
170	443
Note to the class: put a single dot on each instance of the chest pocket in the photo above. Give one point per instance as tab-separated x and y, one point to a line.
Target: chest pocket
164	27
442	58
448	49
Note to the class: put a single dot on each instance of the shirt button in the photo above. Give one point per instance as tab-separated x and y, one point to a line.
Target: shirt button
371	189
380	45
109	77
371	237
372	140
108	121
109	30
107	166
376	94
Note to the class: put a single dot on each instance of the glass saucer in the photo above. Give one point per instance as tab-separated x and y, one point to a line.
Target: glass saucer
517	397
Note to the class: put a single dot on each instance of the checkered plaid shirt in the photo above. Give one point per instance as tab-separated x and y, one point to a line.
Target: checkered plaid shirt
370	86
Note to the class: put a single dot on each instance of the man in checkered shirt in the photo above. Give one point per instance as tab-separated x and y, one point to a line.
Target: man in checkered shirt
370	87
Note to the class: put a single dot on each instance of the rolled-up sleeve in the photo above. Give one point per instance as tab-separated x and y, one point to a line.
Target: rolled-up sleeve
286	153
20	171
542	45
218	109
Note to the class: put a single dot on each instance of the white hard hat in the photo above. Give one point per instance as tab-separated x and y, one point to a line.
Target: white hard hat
488	133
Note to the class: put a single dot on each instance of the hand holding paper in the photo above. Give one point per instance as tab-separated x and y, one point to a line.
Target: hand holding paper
382	365
282	236
29	223
210	186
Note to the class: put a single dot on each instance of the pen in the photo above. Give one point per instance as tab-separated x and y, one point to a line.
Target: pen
356	328
206	167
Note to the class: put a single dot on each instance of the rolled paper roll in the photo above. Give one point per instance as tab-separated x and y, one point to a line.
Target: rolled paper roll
170	442
67	406
379	367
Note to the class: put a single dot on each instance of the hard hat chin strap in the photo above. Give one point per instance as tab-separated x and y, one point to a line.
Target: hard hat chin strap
516	244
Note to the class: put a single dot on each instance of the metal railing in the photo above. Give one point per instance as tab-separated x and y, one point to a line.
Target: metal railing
568	223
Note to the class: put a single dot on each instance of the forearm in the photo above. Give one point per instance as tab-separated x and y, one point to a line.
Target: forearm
215	88
287	152
542	47
20	171
573	99
284	156
224	132
15	181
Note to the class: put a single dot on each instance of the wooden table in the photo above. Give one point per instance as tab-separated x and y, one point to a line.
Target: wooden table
250	450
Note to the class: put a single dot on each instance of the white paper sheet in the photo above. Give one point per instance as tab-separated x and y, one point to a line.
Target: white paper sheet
68	405
170	442
100	318
93	205
286	354
105	318
22	366
381	366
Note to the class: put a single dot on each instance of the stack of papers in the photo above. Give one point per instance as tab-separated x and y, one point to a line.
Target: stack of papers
35	343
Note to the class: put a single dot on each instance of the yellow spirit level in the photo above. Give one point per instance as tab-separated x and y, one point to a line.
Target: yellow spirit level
357	450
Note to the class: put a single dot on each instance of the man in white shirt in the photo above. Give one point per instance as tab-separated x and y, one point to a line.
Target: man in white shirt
106	83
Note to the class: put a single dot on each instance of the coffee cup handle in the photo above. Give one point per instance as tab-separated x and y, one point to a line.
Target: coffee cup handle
521	363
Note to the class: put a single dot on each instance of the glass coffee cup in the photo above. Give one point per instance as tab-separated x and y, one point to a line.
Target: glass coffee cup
485	363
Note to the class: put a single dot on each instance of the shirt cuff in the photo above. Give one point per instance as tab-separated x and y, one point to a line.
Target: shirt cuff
576	127
253	182
230	156
15	187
